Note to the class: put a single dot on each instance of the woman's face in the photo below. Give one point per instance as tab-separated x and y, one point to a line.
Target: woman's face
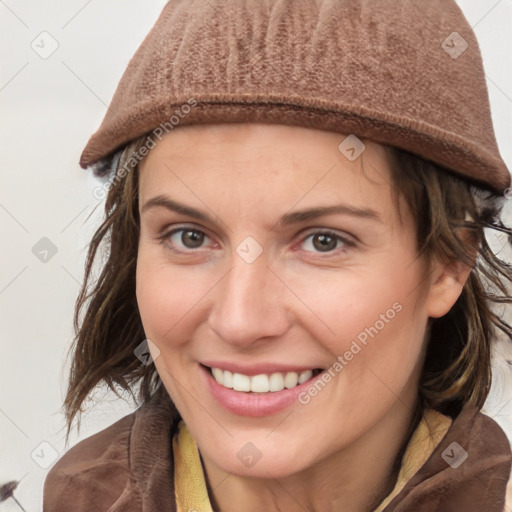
267	252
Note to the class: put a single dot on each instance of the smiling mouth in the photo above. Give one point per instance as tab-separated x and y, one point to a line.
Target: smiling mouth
262	383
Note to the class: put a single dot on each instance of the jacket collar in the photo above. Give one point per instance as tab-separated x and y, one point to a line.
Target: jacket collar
477	484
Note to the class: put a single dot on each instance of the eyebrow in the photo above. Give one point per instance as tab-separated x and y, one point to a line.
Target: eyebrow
287	219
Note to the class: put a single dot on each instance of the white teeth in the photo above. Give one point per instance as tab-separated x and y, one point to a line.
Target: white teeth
241	382
228	379
219	375
304	376
276	382
262	383
290	380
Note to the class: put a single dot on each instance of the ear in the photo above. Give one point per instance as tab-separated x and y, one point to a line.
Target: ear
446	288
448	279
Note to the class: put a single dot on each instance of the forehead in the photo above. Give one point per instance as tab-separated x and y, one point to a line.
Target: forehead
304	141
252	163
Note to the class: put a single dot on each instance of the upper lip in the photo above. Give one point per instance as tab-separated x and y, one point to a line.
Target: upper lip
257	368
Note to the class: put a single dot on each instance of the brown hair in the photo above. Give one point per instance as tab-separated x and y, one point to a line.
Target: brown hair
457	367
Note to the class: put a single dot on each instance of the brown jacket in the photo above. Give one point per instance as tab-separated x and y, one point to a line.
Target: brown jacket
128	467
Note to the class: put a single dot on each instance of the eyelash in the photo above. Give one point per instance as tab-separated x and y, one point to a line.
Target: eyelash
347	243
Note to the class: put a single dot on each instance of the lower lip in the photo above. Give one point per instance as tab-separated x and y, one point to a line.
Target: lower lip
253	404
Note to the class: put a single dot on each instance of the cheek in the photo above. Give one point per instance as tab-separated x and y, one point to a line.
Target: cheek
173	303
375	324
169	297
155	304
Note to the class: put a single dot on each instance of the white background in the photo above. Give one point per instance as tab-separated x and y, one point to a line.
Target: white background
49	109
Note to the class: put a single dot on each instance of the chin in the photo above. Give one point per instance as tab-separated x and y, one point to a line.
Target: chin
263	468
255	460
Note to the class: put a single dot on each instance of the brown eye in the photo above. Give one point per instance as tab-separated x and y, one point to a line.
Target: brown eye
185	238
192	238
325	241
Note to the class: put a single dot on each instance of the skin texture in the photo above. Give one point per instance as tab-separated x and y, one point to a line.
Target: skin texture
295	304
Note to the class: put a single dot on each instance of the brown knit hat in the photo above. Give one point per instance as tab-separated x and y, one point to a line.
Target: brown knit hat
399	72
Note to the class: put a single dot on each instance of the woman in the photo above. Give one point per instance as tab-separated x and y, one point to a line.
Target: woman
297	277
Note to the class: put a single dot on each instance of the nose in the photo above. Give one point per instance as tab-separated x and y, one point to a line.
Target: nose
249	304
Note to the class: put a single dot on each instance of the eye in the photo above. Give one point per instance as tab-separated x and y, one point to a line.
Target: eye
325	241
184	239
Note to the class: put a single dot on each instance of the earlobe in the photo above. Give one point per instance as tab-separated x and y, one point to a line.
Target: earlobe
446	288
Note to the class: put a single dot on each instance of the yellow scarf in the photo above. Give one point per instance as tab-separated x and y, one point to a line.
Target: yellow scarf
190	484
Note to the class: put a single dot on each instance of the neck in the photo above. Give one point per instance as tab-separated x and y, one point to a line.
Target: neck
355	479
